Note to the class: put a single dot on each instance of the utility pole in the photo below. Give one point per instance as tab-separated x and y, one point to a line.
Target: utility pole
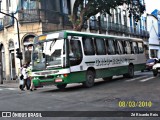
1	55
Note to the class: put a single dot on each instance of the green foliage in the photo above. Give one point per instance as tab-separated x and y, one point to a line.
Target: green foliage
87	8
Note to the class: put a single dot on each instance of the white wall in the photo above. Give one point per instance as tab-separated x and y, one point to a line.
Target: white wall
152	27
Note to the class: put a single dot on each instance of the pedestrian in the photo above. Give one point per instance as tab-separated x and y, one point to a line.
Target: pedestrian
29	70
32	87
21	81
25	76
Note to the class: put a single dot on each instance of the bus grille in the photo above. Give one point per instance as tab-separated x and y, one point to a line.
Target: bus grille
48	77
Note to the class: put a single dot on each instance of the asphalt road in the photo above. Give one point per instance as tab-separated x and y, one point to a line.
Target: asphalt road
140	93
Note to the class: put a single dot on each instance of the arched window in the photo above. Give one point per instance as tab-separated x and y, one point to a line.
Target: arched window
11	45
28	43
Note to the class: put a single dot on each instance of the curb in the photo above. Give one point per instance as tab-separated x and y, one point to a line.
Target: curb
13	85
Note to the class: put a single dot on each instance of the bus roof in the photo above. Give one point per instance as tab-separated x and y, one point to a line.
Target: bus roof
65	33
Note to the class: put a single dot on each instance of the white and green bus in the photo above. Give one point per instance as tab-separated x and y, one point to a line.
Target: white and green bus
65	57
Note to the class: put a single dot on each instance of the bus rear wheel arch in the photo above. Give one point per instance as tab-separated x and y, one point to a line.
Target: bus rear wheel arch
90	76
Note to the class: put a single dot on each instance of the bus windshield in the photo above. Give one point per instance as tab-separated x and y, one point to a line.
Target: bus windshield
48	54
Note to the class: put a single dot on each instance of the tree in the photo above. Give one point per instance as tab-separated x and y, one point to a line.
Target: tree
84	9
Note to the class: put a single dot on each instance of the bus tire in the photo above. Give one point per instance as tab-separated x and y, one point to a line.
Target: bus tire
155	73
107	78
61	86
130	73
89	79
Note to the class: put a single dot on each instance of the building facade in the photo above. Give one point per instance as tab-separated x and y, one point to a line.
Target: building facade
34	18
153	25
154	43
40	16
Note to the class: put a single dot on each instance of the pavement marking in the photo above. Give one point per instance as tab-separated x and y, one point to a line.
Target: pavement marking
135	79
144	80
11	88
8	89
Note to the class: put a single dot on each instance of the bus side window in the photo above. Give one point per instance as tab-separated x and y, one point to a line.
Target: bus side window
132	49
100	47
110	47
135	47
120	49
140	47
75	52
127	47
88	46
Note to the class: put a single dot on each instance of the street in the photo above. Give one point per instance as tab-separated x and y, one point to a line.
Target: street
140	93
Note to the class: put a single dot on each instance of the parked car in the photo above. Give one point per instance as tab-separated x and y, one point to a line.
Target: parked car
156	68
150	63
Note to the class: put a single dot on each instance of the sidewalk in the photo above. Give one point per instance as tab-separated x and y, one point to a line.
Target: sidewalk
14	84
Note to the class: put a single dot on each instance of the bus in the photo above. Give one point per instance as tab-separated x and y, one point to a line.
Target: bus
64	57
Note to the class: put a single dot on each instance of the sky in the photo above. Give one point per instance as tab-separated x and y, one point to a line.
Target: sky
151	5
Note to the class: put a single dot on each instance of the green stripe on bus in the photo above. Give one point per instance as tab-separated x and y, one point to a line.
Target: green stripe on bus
80	76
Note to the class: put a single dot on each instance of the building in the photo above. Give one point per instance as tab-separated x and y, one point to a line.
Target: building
154	43
39	16
34	18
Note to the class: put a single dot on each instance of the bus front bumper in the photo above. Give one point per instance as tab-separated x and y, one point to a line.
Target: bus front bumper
54	81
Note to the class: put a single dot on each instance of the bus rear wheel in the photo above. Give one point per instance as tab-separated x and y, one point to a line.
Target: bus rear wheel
61	86
89	79
130	71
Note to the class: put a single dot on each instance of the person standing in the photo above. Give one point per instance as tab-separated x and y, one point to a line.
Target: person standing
25	76
21	81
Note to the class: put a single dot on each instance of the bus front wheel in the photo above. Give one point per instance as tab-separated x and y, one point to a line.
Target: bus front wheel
61	86
89	79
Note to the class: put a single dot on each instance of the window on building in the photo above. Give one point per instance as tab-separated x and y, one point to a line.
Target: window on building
9	3
125	17
103	21
154	53
66	6
28	41
119	15
112	15
29	4
116	15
